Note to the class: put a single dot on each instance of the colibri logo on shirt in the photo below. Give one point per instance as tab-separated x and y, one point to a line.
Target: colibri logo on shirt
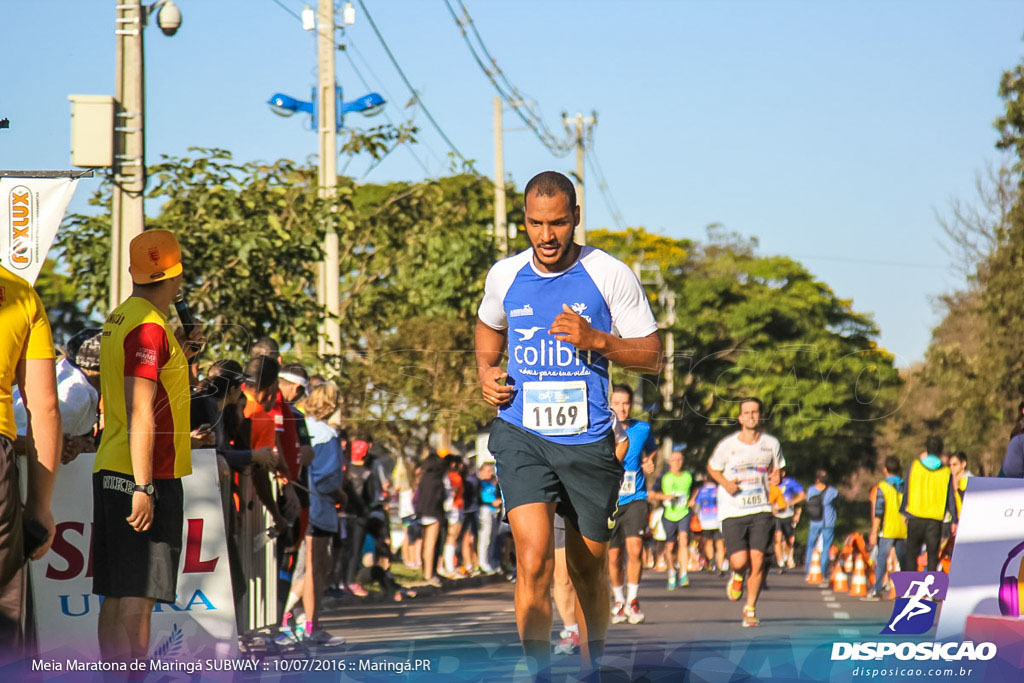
914	612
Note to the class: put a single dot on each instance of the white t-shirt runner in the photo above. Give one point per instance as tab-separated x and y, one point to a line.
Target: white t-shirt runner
749	466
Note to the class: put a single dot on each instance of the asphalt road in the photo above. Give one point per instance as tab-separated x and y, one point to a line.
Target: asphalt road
470	634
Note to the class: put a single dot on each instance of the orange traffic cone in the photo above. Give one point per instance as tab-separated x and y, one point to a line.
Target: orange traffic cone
848	567
859	585
840	581
814	575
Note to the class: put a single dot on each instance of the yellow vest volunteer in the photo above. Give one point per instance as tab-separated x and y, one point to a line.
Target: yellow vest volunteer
26	336
137	342
927	491
894	525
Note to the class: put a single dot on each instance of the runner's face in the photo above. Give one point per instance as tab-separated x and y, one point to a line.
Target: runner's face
675	462
620	405
550	223
956	466
750	415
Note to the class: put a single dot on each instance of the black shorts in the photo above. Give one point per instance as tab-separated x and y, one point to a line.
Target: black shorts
749	532
712	534
128	563
785	525
630	520
559	531
673	529
583	479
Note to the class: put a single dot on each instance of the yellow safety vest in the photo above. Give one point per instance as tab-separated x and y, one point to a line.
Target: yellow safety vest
961	486
928	491
894	525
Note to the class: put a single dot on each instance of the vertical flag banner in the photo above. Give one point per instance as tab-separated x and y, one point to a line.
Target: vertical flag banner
201	623
31	210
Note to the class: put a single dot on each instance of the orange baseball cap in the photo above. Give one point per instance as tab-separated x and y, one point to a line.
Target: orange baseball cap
155	256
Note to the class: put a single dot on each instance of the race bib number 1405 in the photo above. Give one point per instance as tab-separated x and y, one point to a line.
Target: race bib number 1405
555	408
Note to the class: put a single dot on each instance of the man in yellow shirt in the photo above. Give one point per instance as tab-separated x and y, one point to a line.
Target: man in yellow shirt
144	452
26	359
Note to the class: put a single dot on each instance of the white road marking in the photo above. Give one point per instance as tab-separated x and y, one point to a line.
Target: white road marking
841	615
849	632
832	605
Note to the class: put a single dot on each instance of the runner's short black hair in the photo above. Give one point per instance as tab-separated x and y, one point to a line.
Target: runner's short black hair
821	476
933	444
892	465
265	346
551	184
261	372
623	389
961	456
752	399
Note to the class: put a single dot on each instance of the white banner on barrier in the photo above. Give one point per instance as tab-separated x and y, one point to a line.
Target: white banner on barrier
201	623
31	210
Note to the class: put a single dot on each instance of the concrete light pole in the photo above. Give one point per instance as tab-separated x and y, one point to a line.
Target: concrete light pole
128	217
327	117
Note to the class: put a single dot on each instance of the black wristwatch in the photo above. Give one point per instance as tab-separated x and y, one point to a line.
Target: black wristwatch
148	489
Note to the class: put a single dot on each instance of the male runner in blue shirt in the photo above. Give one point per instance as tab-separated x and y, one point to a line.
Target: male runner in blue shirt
562	312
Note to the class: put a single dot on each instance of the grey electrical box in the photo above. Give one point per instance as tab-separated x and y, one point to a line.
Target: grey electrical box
92	130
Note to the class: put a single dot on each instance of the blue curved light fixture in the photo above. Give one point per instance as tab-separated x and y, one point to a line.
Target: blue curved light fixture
286	105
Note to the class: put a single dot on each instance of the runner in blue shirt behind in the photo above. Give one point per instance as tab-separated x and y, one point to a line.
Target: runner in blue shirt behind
561	312
632	510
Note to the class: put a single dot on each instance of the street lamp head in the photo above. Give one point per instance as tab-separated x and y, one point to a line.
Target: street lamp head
169	18
368	105
285	105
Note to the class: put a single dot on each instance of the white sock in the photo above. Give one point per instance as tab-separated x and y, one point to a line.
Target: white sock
449	558
631	590
617	592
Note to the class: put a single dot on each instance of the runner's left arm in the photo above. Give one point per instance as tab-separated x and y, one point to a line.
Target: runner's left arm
490	343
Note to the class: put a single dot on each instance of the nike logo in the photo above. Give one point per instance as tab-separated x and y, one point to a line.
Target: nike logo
526	333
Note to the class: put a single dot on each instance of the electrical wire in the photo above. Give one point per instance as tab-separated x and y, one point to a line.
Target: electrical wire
508	92
426	112
602	186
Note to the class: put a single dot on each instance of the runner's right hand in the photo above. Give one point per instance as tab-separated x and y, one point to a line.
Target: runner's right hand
494	392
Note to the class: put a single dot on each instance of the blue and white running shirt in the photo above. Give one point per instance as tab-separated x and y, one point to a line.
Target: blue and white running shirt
560	393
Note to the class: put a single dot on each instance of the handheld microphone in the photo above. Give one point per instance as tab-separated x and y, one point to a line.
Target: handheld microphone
184	315
188	323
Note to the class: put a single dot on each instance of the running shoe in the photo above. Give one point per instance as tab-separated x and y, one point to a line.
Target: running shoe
357	590
323	638
671	581
871	597
749	619
290	636
569	644
633	613
781	569
684	580
734	589
619	613
790	564
433	581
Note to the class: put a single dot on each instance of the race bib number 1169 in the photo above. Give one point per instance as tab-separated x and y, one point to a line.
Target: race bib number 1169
555	408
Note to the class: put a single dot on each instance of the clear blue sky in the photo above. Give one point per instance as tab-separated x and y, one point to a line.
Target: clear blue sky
833	132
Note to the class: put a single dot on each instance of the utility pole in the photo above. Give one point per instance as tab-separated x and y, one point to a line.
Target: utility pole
500	213
128	219
582	130
327	118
